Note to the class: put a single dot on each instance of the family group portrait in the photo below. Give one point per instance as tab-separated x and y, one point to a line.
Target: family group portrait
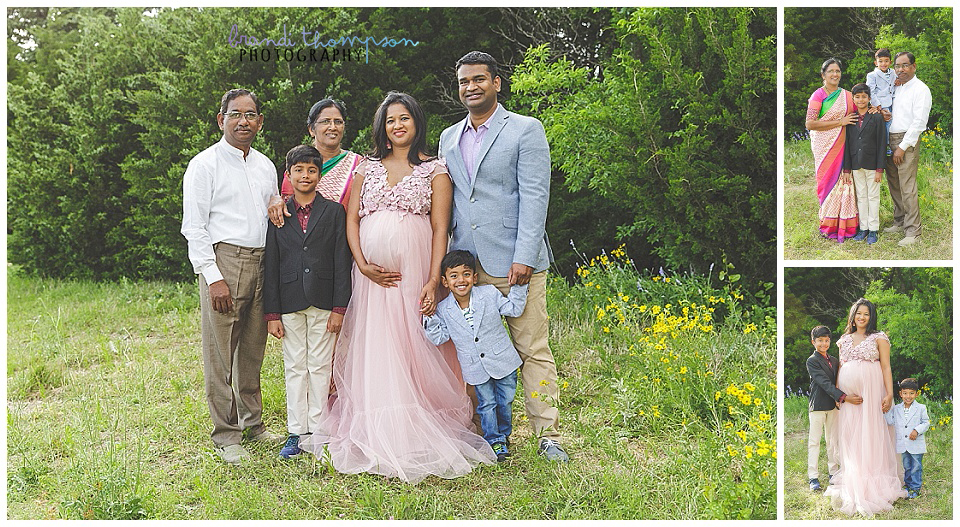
486	265
869	134
868	373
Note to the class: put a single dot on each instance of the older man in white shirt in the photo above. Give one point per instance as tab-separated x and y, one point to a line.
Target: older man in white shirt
911	110
226	191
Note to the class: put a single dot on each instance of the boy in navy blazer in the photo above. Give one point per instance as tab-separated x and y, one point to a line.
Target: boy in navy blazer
306	288
863	157
825	398
470	316
909	420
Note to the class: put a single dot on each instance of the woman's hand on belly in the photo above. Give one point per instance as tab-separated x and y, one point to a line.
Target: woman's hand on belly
379	275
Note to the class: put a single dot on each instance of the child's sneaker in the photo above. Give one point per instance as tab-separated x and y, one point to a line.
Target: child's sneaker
911	494
291	448
814	484
500	449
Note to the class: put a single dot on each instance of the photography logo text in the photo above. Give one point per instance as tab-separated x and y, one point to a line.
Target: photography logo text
308	46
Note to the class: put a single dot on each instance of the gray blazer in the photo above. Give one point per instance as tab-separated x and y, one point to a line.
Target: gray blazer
902	427
485	350
501	214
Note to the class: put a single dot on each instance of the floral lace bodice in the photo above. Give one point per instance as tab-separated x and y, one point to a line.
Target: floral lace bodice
410	195
866	350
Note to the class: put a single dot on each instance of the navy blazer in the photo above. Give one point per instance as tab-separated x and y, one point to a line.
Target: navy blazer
311	268
824	393
866	145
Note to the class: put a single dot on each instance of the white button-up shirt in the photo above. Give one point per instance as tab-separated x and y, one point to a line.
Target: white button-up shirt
225	199
911	110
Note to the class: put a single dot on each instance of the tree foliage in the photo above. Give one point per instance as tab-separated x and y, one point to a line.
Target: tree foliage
673	132
914	307
811	35
107	105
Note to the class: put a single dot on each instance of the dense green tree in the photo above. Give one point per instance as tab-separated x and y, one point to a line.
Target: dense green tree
674	133
107	106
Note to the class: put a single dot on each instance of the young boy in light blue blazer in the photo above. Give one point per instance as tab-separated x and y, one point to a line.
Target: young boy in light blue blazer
882	83
910	421
470	317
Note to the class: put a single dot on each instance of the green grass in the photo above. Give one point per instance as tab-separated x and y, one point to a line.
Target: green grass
935	501
801	236
107	420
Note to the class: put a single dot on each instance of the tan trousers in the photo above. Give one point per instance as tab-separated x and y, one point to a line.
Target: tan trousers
529	334
822	423
233	345
868	198
307	365
902	181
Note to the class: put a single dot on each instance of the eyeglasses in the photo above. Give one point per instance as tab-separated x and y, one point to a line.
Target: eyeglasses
902	66
326	122
250	116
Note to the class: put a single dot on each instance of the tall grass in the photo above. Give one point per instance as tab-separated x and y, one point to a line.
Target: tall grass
936	499
801	237
107	417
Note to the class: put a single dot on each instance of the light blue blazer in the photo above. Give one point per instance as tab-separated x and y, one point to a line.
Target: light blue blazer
881	87
501	214
485	350
902	428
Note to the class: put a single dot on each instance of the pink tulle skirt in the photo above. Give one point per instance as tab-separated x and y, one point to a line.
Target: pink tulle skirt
401	409
867	481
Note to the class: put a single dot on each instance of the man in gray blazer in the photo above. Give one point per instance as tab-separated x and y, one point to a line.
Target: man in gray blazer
499	162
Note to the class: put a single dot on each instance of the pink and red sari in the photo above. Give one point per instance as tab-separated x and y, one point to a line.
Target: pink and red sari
838	201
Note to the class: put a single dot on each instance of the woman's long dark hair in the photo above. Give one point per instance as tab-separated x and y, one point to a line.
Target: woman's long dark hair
871	325
379	132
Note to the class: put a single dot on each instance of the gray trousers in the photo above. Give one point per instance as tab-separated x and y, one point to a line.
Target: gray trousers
902	182
233	345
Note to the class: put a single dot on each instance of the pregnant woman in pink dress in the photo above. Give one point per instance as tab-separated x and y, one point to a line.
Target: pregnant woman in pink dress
867	481
401	409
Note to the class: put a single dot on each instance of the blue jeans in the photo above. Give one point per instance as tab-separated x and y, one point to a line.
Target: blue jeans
912	470
494	399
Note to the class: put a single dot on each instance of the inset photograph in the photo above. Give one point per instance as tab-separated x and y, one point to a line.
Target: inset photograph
868	402
868	146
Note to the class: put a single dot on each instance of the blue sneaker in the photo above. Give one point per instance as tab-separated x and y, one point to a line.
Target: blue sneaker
814	484
291	447
859	236
871	237
911	494
500	449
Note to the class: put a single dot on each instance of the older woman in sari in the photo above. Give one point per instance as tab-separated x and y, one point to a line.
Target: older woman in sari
326	125
829	110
